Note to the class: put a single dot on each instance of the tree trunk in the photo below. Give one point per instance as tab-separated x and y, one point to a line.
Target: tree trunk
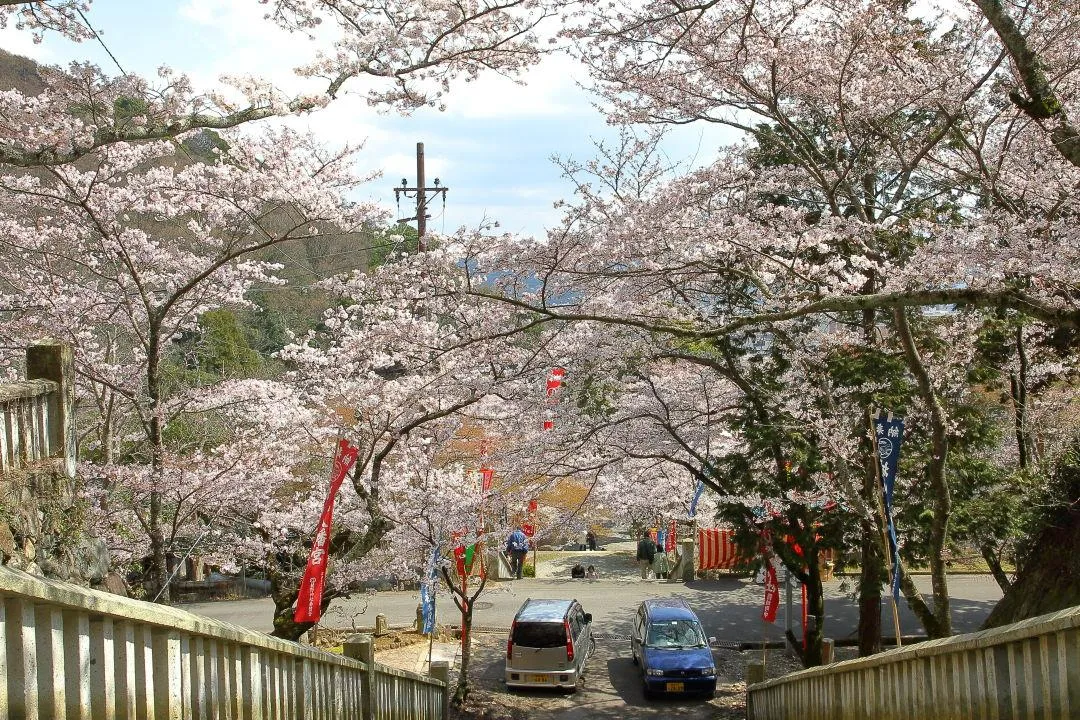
871	567
1019	383
815	608
1049	577
993	561
465	604
462	690
941	498
871	578
159	570
1041	103
284	592
918	606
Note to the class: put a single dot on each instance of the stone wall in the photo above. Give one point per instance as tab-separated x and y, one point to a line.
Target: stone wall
42	518
43	529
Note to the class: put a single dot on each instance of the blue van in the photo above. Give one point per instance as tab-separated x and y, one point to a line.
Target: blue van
672	650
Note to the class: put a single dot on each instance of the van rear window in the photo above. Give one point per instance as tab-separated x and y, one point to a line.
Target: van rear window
539	634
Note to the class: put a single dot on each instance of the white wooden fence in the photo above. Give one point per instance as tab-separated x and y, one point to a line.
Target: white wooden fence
1027	670
68	652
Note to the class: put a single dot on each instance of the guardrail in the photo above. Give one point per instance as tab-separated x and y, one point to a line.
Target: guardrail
1029	669
69	652
24	438
36	414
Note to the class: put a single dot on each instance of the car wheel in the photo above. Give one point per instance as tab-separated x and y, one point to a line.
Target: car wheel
649	694
633	656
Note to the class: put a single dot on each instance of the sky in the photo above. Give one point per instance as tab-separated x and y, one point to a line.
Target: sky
492	146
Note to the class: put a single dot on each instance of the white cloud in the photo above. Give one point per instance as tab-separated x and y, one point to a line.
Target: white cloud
241	41
21	42
550	89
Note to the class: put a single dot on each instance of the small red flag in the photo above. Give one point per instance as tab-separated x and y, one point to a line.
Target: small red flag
309	600
772	594
555	380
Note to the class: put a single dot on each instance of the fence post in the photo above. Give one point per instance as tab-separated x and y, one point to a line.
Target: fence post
4	633
440	670
22	668
103	670
688	559
755	673
827	645
252	683
57	363
362	648
166	663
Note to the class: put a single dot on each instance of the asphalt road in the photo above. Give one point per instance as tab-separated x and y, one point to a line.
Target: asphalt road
610	689
730	609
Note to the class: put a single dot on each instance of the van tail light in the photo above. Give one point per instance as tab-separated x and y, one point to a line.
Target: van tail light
569	642
510	642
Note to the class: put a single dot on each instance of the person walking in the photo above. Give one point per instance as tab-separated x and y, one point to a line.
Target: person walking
590	540
518	546
646	552
660	562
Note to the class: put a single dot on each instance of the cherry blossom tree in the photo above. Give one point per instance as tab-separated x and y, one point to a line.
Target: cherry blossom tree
121	255
62	16
882	173
407	52
402	366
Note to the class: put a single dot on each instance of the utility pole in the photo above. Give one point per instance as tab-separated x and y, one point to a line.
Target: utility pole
420	192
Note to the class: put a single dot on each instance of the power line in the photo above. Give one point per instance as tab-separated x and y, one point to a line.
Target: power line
97	36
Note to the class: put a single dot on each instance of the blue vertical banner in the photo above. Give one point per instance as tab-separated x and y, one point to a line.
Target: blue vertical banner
697	496
889	433
427	590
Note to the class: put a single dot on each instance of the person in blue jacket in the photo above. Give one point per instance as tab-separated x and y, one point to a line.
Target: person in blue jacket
517	545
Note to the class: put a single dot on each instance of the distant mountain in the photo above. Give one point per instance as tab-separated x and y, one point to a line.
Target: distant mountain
298	306
19	73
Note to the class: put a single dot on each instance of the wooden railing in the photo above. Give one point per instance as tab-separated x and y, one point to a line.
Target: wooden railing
24	440
37	414
69	652
1027	670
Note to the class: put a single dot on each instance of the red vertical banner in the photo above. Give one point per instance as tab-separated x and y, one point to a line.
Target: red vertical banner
309	599
669	539
554	382
772	594
459	551
487	476
529	526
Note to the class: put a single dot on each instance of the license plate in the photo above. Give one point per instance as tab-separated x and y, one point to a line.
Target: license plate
545	678
673	687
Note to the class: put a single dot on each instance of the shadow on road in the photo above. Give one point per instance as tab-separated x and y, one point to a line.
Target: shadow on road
611	689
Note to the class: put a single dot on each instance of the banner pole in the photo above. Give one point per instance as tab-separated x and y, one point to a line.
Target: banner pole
896	620
764	643
434	622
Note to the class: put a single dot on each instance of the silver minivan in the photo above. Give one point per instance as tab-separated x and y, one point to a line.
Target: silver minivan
549	642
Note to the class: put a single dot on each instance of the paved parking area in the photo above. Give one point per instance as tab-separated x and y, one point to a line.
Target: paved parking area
611	687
